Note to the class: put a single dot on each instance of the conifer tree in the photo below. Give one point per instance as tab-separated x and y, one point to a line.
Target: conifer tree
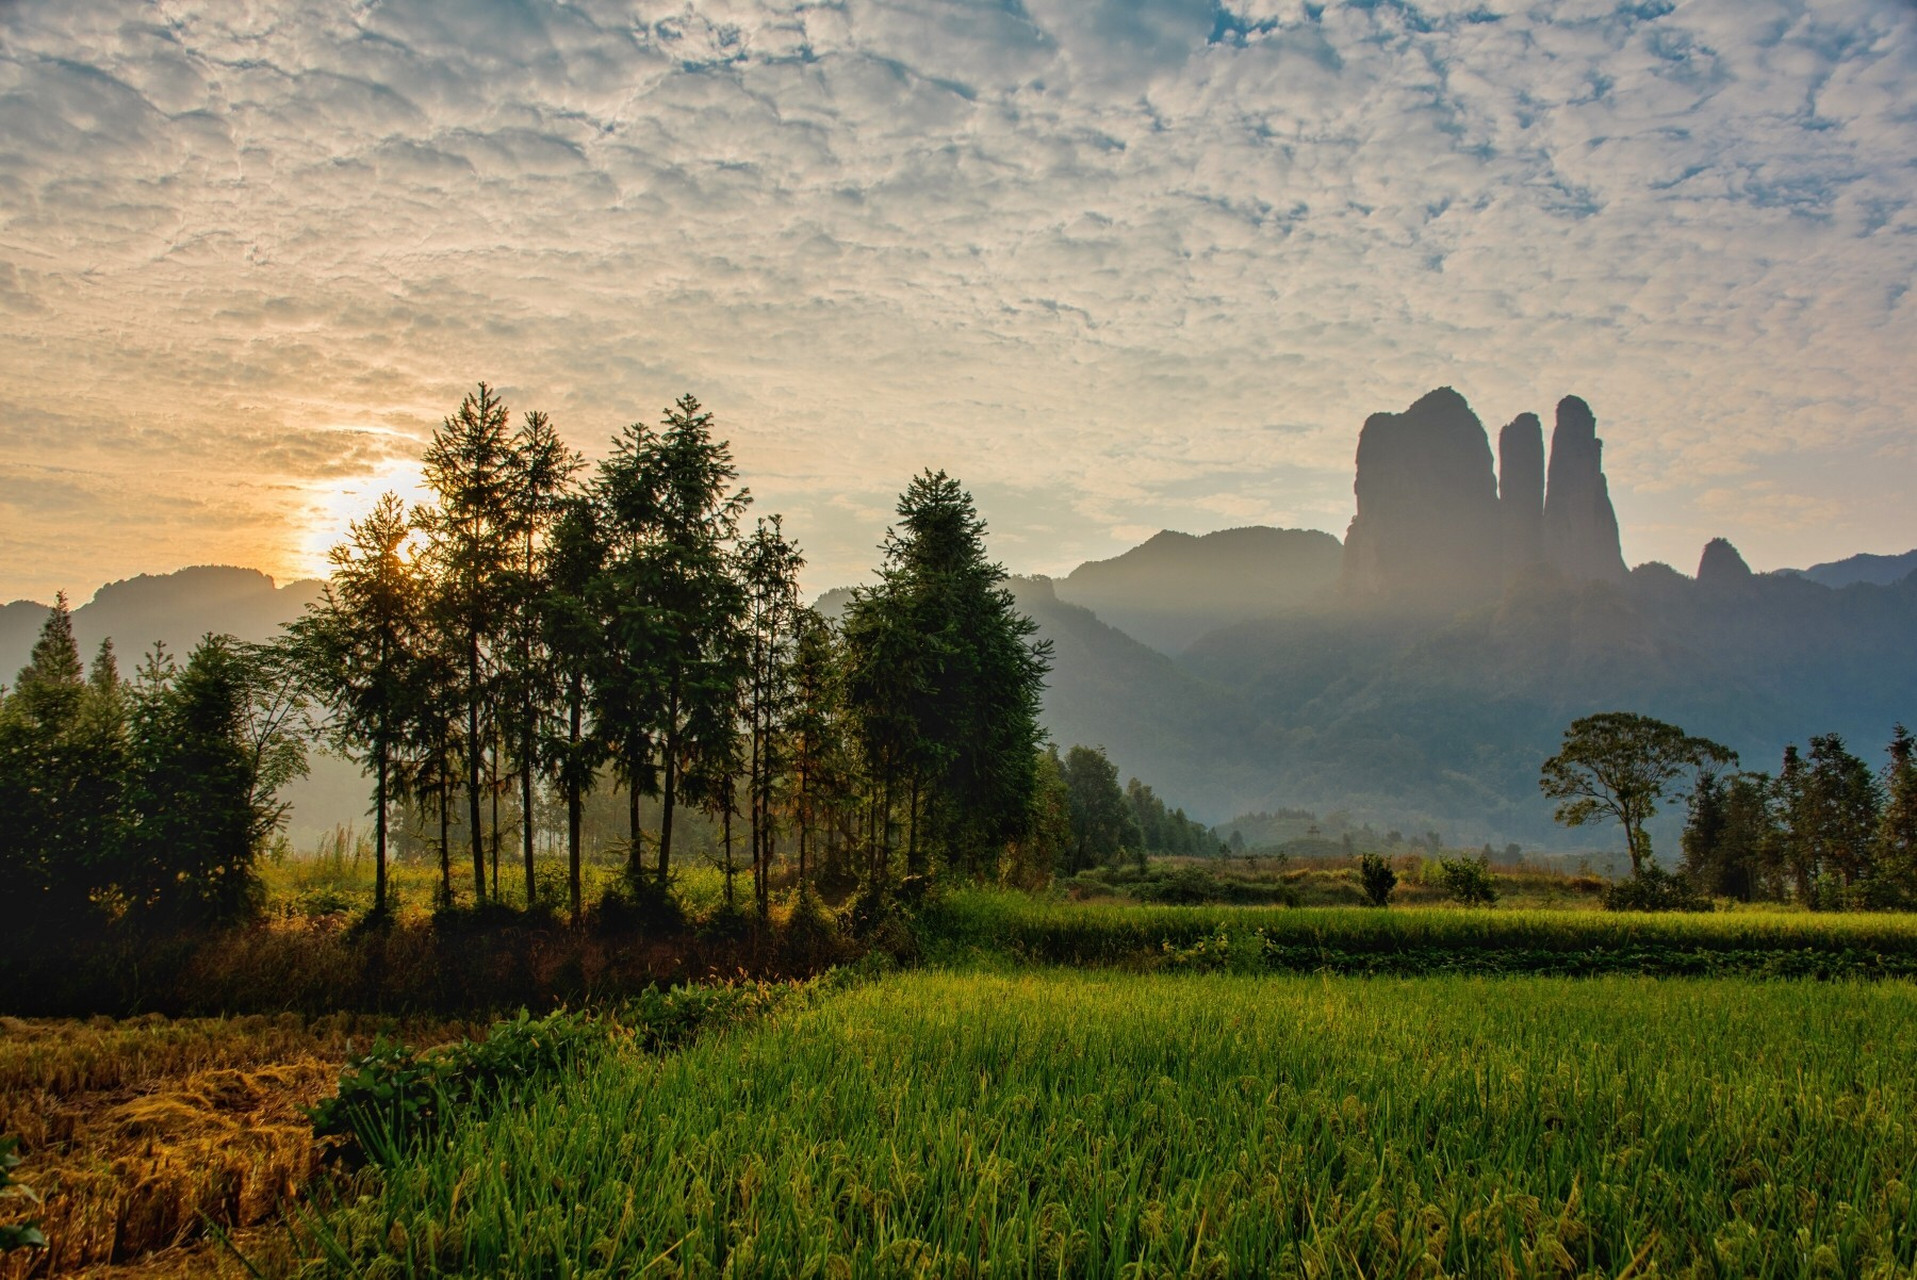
359	648
575	636
470	467
769	571
1897	826
542	470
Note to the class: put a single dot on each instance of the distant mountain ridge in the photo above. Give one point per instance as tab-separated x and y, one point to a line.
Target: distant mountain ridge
1875	569
1175	587
173	608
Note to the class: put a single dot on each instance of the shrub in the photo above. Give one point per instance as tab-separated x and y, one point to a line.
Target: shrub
392	1096
1377	878
1655	889
1468	880
23	1235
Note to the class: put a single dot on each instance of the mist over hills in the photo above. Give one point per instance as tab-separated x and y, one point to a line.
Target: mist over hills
1175	587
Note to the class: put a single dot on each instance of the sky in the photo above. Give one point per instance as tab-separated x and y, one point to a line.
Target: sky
1119	265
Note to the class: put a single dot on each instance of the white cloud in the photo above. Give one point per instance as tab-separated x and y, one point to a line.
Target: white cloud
1083	255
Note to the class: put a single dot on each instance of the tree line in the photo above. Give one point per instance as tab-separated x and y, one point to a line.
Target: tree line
1826	831
539	630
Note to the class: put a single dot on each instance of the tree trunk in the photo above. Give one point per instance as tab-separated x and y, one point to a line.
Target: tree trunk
492	796
572	803
526	814
634	846
473	750
379	832
445	801
726	826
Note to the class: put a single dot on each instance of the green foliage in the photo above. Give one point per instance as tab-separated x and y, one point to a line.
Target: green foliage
1376	878
1104	826
392	1098
1468	881
1617	765
965	926
1057	1124
943	680
1655	889
20	1235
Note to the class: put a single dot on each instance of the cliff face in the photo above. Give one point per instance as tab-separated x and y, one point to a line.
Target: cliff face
1521	491
1435	530
1427	529
1580	528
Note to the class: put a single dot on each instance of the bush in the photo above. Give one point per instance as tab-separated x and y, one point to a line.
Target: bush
1655	889
1377	878
392	1097
1468	880
23	1235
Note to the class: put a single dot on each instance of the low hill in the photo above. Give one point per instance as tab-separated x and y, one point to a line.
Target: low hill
1882	570
1176	587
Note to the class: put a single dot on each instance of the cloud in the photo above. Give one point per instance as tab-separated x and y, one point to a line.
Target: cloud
1083	255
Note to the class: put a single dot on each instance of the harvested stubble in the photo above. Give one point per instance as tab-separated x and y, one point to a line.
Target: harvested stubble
138	1132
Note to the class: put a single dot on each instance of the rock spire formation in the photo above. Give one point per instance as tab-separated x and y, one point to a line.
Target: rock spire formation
1428	524
1434	526
1721	565
1521	490
1580	528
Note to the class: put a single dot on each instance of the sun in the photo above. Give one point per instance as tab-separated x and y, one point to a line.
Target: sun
333	505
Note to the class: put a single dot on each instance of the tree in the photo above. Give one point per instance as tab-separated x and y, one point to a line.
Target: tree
1838	812
470	466
1103	827
62	771
203	797
575	636
540	475
1618	765
946	679
1728	830
358	649
769	572
821	776
1897	825
1376	878
696	601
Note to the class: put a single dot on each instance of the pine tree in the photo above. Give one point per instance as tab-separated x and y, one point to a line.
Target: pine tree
62	764
470	467
541	475
946	678
575	635
696	601
359	648
769	570
1897	825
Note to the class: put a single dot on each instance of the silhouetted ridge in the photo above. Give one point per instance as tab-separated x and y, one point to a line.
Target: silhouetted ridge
1521	490
1428	528
1580	528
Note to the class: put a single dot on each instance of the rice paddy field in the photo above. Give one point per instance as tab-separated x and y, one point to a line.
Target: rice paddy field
1050	1122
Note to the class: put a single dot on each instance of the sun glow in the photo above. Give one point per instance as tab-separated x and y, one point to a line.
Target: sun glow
333	505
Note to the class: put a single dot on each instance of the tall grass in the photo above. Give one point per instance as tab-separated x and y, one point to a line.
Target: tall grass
1106	1125
970	925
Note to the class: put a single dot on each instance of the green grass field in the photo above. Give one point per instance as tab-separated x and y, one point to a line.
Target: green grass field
975	926
1113	1124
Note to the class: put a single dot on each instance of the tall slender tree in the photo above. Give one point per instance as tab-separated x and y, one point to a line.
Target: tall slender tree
769	567
696	600
470	467
359	647
541	475
575	635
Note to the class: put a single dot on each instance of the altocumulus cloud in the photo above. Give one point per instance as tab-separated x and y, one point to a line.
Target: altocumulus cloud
1118	265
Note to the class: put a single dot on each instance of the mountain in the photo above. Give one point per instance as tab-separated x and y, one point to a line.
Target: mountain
1471	624
1882	570
1176	587
174	608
